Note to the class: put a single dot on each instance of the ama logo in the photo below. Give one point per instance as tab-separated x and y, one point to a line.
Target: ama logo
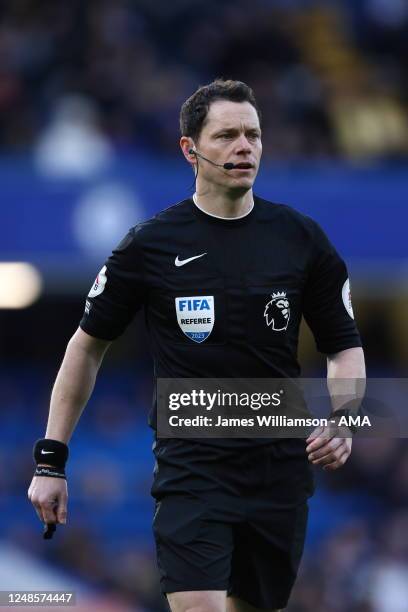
195	316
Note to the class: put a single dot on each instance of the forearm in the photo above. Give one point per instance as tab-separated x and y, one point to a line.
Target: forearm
346	376
72	389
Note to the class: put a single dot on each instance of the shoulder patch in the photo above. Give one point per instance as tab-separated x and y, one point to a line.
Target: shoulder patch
99	284
346	295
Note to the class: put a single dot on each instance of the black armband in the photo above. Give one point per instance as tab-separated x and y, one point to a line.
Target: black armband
50	472
52	452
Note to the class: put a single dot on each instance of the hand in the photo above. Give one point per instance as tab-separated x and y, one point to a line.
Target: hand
49	497
326	450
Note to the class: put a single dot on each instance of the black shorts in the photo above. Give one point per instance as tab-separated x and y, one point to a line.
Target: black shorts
236	524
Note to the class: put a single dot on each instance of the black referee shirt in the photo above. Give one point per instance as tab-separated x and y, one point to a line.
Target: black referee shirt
223	298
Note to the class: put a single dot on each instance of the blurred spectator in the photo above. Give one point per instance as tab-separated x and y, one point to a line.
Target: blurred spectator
135	63
72	145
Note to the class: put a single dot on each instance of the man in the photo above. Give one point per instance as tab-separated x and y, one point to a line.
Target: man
227	522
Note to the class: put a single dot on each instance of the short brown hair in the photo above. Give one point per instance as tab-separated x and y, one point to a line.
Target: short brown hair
195	109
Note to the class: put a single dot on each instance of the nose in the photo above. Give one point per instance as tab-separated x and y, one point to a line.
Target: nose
243	144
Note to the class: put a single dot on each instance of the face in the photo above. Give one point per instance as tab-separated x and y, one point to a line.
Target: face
231	133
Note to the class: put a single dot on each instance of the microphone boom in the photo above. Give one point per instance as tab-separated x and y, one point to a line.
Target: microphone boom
226	166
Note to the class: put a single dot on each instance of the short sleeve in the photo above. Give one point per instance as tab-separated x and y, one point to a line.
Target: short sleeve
117	293
327	306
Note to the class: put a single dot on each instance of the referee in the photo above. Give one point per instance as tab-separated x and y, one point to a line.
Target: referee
231	515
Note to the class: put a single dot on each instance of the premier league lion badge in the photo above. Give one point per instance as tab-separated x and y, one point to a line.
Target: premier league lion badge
277	312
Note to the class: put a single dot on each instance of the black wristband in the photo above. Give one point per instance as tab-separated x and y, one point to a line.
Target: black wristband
52	452
345	412
50	472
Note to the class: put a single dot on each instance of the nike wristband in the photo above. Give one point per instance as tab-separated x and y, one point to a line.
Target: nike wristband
52	452
49	472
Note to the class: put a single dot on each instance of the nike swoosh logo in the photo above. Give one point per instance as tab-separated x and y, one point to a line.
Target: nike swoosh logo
43	452
182	262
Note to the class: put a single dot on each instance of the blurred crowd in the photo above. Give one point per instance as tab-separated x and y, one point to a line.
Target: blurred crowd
330	76
356	558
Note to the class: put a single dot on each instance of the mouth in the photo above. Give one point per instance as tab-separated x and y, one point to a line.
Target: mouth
243	166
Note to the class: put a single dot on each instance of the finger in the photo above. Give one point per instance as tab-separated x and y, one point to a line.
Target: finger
329	448
326	460
62	511
335	465
318	443
315	434
48	508
331	453
325	436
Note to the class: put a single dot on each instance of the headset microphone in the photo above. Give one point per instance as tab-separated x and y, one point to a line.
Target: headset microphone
227	166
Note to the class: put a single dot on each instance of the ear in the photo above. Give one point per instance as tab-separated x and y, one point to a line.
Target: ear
186	145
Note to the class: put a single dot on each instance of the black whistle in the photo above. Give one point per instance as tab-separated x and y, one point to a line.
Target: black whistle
49	529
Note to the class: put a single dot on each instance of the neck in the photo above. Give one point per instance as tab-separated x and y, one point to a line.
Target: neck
227	205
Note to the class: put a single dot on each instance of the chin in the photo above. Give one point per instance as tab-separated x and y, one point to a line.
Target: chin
243	183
